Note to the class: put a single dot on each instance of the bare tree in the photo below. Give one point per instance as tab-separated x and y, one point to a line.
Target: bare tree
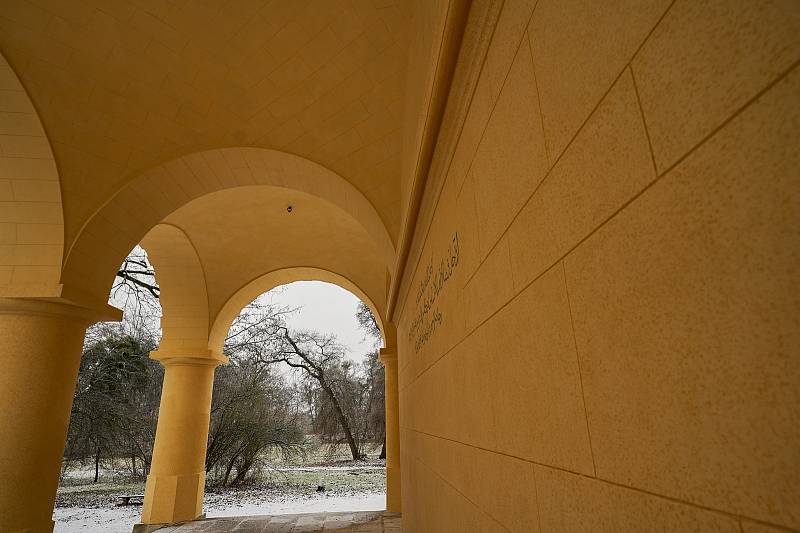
375	413
251	413
260	334
366	321
136	272
111	409
320	357
253	410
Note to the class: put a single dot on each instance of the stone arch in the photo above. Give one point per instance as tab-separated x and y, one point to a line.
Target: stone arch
31	215
148	199
183	296
223	320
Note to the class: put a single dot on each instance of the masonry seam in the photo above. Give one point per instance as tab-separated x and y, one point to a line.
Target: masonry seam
543	180
575	135
419	182
446	481
499	93
538	96
536	494
644	119
733	116
580	372
446	170
615	483
400	310
620	209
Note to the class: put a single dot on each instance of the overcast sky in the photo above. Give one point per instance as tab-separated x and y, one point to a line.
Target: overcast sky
321	306
326	308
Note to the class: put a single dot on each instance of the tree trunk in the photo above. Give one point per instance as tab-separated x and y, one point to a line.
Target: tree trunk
383	448
241	472
228	471
97	465
342	421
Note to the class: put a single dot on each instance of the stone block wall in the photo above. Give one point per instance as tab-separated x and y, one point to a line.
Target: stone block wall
598	329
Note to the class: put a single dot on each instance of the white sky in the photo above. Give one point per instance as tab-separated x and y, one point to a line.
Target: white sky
326	308
321	306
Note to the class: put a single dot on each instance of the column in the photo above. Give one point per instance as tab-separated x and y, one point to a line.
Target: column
391	398
40	351
175	486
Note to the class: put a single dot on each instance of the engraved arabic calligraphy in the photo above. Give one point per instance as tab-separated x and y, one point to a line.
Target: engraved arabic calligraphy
428	318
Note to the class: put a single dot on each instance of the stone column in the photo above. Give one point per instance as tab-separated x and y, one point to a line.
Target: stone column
391	398
175	486
40	351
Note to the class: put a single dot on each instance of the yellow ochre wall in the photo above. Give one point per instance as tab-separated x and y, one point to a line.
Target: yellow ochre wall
598	324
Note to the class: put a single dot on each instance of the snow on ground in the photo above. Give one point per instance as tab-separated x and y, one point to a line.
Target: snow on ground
326	468
122	519
111	520
374	501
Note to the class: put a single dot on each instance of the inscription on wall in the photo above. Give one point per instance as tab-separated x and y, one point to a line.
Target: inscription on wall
428	317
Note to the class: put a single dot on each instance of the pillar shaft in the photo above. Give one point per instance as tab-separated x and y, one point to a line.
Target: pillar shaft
175	486
40	351
391	399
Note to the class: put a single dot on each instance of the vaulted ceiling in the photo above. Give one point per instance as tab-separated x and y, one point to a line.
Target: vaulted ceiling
124	85
315	233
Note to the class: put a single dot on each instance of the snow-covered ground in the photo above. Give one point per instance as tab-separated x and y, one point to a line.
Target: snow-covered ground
326	468
374	501
122	519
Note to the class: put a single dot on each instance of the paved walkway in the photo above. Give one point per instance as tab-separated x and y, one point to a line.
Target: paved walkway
357	522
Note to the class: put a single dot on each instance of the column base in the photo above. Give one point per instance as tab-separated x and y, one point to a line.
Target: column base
45	527
171	499
149	528
393	493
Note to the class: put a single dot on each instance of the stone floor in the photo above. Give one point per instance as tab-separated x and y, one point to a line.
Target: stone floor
356	522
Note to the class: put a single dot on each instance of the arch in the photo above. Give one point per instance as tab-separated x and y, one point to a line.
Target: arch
222	322
183	296
149	198
31	214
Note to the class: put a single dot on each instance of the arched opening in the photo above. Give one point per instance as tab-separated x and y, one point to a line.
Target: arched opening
304	388
214	253
271	280
300	459
218	195
109	446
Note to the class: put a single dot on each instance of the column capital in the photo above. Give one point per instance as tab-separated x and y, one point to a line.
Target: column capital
389	336
174	489
174	358
388	355
57	307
